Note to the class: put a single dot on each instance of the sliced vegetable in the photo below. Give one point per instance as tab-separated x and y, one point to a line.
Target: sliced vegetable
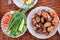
21	25
4	26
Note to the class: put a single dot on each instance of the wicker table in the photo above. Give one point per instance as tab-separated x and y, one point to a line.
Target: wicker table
4	7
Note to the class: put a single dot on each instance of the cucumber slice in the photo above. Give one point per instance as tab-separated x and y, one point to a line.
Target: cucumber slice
21	25
12	12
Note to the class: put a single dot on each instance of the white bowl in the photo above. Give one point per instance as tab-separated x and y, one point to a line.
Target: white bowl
59	27
20	5
4	31
29	25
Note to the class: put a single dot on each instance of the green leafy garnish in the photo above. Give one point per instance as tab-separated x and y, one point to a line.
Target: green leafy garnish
17	22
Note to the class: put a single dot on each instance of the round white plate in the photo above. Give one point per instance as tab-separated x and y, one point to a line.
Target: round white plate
29	25
59	27
4	31
20	5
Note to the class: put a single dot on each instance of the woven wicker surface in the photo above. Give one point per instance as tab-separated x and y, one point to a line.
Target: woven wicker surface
4	7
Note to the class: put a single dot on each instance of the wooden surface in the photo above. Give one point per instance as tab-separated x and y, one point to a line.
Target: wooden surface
4	7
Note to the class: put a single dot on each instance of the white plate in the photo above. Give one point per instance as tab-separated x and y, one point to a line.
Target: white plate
20	5
29	25
4	31
59	27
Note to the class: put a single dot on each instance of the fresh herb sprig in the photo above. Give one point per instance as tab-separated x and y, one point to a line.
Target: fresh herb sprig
14	21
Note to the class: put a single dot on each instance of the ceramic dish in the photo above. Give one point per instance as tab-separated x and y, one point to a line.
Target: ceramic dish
59	27
29	25
20	5
4	31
